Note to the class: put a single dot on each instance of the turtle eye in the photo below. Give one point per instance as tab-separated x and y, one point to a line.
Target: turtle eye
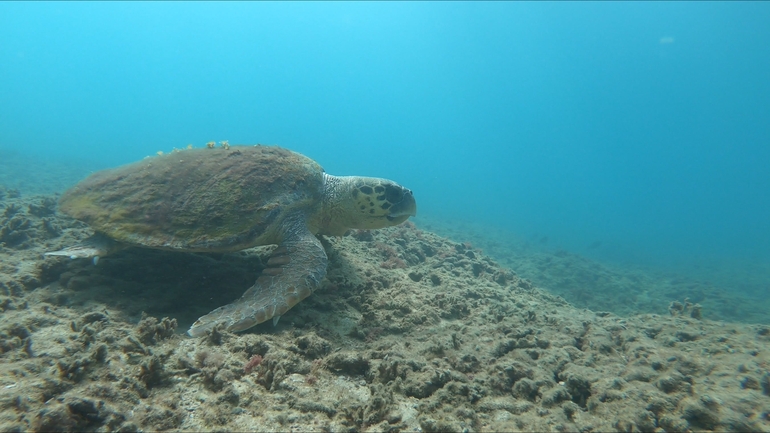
393	194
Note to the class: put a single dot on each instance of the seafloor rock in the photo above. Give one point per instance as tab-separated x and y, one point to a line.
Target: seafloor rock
410	332
734	292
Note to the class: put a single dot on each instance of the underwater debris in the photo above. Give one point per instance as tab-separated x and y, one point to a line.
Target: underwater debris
677	308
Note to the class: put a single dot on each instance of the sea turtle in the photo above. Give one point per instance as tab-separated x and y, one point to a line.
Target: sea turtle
229	199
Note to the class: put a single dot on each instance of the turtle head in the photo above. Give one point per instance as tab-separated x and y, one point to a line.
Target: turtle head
381	203
367	203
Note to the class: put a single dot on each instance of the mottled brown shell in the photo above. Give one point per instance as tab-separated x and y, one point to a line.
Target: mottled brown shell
199	199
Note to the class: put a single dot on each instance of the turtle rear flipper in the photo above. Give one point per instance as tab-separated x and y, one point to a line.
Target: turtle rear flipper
95	246
294	271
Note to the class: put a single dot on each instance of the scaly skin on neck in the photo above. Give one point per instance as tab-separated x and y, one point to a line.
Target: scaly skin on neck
330	219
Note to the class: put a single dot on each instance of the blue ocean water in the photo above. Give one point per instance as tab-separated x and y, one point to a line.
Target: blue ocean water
626	131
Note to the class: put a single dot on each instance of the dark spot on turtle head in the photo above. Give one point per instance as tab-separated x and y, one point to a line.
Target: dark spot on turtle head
363	207
381	197
371	210
355	193
393	194
379	188
366	189
385	205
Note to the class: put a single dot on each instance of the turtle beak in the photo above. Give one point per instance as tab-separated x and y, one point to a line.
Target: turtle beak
404	208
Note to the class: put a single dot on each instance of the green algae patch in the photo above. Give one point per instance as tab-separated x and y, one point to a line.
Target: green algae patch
201	199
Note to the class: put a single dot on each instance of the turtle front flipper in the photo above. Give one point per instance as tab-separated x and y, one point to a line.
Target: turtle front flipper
95	246
294	271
